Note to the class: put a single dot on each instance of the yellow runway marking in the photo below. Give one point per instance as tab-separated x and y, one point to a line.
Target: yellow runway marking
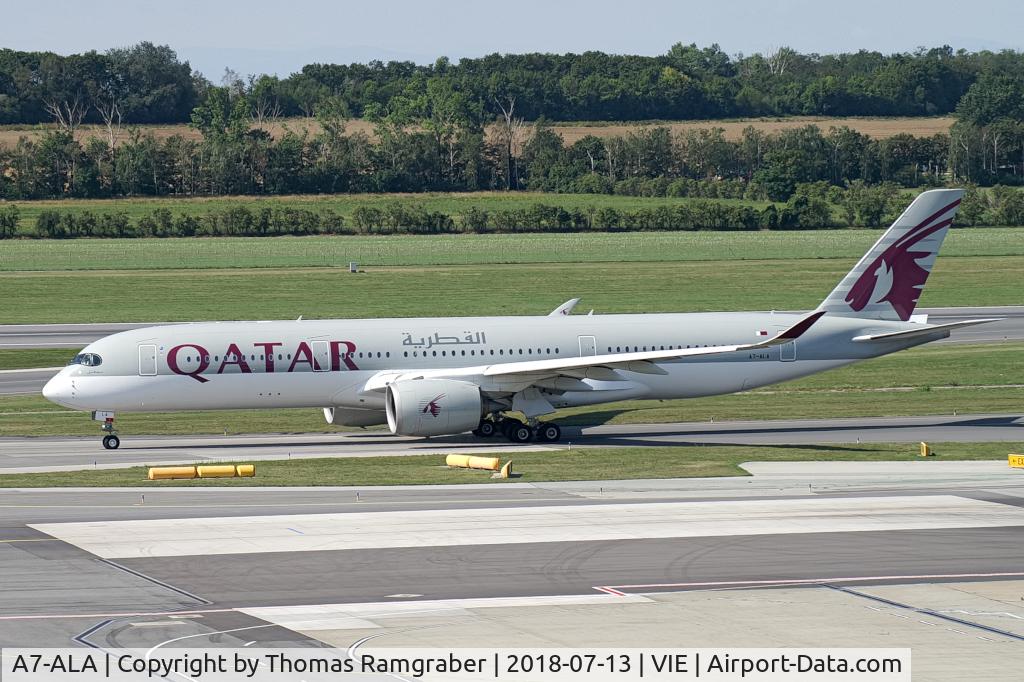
8	542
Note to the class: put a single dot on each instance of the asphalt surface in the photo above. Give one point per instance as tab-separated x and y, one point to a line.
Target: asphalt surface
62	335
25	381
77	336
57	454
53	593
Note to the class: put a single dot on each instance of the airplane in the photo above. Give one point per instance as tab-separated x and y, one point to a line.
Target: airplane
445	376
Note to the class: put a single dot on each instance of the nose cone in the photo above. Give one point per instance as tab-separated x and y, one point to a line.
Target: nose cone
58	390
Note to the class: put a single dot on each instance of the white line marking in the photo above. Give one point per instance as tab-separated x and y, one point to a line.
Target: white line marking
133	614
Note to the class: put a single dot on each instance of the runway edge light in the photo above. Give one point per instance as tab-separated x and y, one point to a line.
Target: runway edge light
1016	461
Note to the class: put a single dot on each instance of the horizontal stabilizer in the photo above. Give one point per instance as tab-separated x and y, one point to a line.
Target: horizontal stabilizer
565	308
923	331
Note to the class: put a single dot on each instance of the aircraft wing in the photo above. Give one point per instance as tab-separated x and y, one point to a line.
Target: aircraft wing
925	330
643	361
530	372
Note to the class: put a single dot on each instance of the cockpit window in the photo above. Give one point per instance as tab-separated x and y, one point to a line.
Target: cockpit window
87	359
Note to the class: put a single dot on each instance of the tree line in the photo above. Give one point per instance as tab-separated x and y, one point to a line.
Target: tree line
148	83
234	158
813	206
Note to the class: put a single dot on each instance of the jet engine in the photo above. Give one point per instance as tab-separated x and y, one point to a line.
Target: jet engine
433	407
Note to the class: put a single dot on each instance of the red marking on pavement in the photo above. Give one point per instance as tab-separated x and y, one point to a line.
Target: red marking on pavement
817	581
610	590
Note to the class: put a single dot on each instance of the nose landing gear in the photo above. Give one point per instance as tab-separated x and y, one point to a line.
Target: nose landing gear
110	439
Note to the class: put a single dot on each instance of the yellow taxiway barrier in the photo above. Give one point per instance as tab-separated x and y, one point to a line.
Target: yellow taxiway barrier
203	471
216	471
166	473
471	462
1017	461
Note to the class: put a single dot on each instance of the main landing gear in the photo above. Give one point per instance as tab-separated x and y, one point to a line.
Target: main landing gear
519	432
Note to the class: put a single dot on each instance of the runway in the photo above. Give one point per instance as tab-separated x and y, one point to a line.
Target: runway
62	335
530	564
926	554
77	336
62	454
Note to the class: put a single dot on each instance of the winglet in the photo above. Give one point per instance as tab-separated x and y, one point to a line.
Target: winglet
794	332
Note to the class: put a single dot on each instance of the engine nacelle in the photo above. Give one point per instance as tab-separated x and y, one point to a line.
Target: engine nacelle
354	416
433	407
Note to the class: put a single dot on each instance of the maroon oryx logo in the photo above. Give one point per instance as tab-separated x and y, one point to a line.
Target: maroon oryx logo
432	407
895	276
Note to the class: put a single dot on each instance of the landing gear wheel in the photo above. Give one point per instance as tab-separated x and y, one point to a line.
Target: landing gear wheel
548	432
520	433
505	425
111	442
486	429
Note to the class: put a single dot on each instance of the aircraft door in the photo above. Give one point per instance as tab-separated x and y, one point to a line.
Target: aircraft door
787	352
588	346
321	356
147	360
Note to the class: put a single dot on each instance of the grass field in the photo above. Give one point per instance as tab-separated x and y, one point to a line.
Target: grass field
984	378
472	249
578	464
570	131
27	358
535	288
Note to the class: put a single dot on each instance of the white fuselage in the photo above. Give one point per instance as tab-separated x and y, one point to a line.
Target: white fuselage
329	363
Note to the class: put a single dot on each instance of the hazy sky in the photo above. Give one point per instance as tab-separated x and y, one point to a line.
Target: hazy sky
279	36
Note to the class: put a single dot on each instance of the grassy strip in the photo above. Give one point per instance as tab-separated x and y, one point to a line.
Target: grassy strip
28	358
36	297
578	464
469	249
967	379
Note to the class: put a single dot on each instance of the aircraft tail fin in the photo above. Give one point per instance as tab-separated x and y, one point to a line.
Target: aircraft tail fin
887	282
